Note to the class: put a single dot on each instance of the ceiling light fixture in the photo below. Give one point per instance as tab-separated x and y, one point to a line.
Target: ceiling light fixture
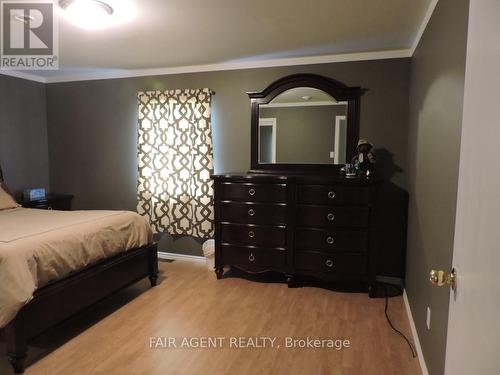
97	14
94	6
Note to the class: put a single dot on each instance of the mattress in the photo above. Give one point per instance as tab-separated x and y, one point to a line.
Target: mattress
40	246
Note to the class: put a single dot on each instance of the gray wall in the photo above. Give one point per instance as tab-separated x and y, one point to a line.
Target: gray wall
92	125
436	97
304	134
23	134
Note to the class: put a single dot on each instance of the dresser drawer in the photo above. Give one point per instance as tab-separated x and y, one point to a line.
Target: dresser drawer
253	213
330	194
254	235
331	240
252	192
266	258
329	216
335	264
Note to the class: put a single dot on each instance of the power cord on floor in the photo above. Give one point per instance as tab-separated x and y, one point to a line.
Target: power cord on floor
413	351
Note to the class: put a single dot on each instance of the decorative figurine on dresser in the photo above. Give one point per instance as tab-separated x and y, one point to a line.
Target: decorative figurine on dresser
364	161
293	212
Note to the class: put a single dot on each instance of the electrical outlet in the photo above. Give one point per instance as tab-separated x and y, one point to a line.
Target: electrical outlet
332	154
428	319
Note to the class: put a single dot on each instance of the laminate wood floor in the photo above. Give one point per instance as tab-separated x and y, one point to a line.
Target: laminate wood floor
114	336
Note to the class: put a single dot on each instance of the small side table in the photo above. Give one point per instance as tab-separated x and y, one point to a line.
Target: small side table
50	202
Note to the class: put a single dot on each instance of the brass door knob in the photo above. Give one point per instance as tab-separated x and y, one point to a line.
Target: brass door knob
440	278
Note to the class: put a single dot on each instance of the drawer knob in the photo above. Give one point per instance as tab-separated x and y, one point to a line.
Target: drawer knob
329	263
330	216
329	240
331	194
251	212
251	191
251	258
251	234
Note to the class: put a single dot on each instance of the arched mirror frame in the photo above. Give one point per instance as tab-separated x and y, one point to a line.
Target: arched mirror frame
336	89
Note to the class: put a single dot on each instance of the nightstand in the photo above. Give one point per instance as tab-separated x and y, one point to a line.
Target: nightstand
50	202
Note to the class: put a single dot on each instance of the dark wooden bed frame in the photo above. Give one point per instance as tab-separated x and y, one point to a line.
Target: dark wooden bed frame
61	299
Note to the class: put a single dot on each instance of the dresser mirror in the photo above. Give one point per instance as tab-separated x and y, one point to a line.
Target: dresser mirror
304	123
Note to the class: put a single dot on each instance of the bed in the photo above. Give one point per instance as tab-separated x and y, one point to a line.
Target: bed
54	264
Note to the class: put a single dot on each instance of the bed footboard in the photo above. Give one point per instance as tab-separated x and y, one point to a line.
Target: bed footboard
66	297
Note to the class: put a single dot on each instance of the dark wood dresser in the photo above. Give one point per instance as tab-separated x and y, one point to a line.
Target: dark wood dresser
320	226
295	212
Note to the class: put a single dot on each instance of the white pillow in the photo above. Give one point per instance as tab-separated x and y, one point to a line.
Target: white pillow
6	201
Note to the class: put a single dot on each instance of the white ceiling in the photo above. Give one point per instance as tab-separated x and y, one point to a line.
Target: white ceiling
170	35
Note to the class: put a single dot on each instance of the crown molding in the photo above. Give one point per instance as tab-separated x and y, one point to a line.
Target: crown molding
423	25
22	75
293	61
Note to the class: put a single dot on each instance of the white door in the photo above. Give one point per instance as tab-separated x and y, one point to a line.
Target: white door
267	140
340	139
473	343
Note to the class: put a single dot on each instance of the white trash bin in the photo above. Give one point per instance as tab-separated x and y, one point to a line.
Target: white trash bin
209	252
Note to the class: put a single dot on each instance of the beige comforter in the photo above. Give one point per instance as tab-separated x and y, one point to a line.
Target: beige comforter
38	246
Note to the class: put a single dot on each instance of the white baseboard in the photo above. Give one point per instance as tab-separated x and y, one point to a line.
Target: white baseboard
175	256
421	359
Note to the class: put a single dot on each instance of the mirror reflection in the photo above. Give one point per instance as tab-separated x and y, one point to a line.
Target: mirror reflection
303	125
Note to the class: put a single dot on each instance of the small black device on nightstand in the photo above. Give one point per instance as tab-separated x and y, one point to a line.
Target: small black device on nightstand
50	202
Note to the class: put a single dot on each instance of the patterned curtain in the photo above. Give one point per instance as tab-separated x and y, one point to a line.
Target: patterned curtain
174	155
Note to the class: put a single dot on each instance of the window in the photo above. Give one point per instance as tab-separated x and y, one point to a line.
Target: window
175	161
